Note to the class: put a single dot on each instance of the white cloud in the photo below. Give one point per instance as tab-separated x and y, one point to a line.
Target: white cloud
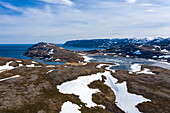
150	10
100	18
66	2
131	1
146	4
9	6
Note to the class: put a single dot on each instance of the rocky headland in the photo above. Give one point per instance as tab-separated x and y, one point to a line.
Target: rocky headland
52	52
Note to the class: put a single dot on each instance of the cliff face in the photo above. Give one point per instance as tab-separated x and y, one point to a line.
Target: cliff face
52	52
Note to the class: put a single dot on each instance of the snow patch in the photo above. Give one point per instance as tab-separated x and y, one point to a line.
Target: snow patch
79	87
49	71
69	107
146	71
135	67
20	65
87	59
137	52
31	65
19	61
125	100
51	51
164	56
6	67
100	65
57	59
50	66
9	78
34	62
164	51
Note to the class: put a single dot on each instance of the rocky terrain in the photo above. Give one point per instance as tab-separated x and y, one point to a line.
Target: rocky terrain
140	51
109	43
153	86
52	52
157	49
30	87
104	43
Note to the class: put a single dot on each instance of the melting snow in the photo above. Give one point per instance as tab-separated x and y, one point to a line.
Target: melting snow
20	65
49	71
125	100
57	59
137	52
51	51
69	107
100	65
31	65
164	51
34	62
164	56
9	78
79	87
50	66
145	71
135	67
86	58
6	67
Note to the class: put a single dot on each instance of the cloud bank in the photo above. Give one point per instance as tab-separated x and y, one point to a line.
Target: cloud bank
61	20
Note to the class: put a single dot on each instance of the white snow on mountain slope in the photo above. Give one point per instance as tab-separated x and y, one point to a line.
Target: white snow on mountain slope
16	76
137	52
6	67
125	100
135	67
100	65
79	87
164	51
145	71
51	52
69	107
164	56
86	58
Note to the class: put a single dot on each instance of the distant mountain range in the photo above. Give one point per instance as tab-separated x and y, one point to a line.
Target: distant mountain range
109	43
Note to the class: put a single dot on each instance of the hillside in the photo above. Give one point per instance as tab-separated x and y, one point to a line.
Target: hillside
105	43
31	87
52	52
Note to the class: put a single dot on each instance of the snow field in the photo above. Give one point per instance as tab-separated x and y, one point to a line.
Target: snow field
69	107
124	100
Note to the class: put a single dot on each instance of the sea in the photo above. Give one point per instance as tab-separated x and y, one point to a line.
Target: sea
17	51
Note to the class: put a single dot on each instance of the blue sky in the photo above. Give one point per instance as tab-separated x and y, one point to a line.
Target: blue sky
32	21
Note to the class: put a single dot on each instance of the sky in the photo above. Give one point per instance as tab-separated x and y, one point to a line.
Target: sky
57	21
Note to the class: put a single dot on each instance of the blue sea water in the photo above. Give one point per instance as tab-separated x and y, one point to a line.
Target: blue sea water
17	51
14	50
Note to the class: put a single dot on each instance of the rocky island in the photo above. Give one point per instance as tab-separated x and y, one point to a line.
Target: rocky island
52	52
